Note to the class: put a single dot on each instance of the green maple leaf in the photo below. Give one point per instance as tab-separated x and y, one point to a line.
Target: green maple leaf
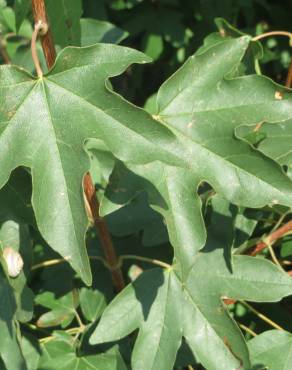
16	235
61	354
274	140
164	310
9	347
272	350
45	123
98	362
16	299
203	105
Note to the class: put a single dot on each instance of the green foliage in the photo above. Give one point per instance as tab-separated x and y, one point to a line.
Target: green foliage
187	186
163	306
21	8
273	349
65	16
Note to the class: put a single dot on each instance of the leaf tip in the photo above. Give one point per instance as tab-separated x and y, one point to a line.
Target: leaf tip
86	275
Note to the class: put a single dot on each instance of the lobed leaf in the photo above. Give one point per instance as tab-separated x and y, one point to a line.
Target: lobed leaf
153	303
272	349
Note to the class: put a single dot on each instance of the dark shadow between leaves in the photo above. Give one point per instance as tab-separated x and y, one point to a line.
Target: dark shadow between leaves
146	288
259	367
126	185
220	235
7	302
112	35
124	345
15	198
185	356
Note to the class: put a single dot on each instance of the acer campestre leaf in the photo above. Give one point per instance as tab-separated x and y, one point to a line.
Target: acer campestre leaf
53	116
61	355
48	121
9	347
94	31
203	105
62	309
16	235
93	362
274	140
166	308
272	350
153	303
92	303
16	302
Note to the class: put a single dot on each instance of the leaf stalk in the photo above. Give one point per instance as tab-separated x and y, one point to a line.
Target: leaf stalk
38	29
261	316
39	14
272	33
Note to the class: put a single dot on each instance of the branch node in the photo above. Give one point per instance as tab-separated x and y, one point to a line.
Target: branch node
43	27
40	28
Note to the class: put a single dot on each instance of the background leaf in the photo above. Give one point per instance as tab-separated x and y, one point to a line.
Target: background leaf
64	19
272	349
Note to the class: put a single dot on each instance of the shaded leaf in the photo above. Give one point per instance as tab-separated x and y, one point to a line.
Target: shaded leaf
17	236
59	354
9	347
203	105
94	31
195	109
153	303
31	351
55	180
64	19
92	303
62	309
138	216
15	198
21	8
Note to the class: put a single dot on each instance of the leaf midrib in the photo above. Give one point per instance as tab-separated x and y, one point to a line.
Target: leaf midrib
162	323
60	159
107	114
147	140
199	145
188	294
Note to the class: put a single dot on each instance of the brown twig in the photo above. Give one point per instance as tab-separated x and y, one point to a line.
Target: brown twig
104	234
289	76
274	236
39	12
